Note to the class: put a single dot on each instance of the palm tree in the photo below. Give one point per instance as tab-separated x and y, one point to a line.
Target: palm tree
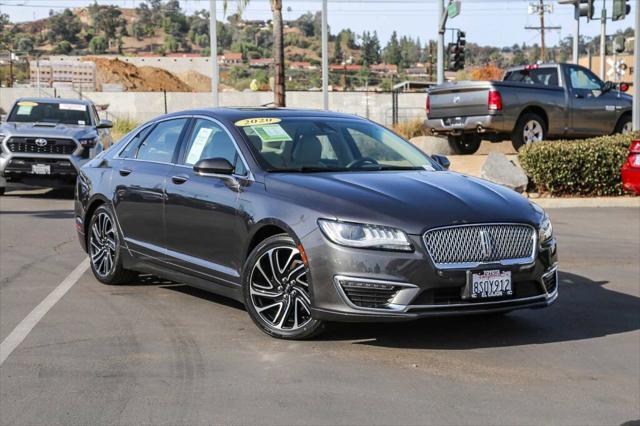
278	48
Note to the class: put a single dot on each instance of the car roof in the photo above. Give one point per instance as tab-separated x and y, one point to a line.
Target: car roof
230	114
56	100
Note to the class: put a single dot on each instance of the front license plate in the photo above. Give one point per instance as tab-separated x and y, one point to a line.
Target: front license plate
41	169
490	283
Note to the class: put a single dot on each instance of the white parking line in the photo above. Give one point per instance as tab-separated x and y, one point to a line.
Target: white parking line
21	331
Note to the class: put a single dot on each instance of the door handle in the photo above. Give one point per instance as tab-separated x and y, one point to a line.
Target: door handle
179	179
579	96
125	172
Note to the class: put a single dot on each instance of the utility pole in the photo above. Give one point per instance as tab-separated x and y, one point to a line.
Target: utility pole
541	9
636	70
603	39
576	38
213	40
440	52
325	56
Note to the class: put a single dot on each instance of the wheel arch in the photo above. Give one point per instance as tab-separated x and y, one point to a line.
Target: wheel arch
267	228
92	206
539	111
625	114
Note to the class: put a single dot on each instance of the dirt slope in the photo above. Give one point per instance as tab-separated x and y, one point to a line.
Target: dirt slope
132	78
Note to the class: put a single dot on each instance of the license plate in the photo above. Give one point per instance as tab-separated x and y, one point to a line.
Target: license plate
490	283
40	169
457	122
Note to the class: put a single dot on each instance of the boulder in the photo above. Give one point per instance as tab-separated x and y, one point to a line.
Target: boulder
499	169
433	145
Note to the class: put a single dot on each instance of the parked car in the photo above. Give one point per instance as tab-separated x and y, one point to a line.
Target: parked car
310	216
530	104
631	169
44	142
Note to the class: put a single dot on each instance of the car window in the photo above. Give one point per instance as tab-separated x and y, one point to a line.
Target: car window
541	76
161	143
132	144
209	140
27	111
582	79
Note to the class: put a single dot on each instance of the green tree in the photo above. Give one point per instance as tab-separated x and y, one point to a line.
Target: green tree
392	53
64	26
63	48
170	43
338	54
24	44
98	45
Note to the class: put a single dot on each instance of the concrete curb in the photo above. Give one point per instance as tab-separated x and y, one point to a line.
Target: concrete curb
598	202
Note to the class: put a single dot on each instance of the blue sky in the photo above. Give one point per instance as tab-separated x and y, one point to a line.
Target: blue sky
493	22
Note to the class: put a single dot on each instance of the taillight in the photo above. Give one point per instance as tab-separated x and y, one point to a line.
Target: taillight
634	160
495	100
635	147
427	106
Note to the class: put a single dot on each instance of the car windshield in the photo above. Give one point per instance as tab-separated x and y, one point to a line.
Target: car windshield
320	144
50	112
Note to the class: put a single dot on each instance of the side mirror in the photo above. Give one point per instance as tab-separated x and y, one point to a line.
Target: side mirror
104	124
608	86
442	160
213	166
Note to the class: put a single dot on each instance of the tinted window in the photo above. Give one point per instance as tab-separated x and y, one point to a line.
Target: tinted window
134	142
161	143
542	76
50	112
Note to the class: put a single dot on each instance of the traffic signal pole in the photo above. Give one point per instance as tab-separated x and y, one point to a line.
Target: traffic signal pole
636	70
440	52
214	53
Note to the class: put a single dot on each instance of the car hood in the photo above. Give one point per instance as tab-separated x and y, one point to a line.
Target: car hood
412	201
48	130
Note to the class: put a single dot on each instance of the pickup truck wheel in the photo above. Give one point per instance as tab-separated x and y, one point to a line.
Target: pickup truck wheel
530	128
465	145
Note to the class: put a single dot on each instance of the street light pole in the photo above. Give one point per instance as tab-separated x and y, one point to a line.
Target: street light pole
440	52
636	71
603	39
213	40
325	56
576	35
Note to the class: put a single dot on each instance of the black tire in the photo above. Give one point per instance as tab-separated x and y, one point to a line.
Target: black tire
2	190
103	237
539	132
266	297
625	121
466	144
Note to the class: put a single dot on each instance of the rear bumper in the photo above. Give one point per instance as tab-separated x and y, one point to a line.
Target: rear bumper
473	124
631	178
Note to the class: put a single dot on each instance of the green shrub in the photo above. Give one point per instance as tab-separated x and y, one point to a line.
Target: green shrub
411	128
588	167
121	127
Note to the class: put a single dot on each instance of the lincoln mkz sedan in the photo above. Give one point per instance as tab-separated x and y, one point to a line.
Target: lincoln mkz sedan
307	217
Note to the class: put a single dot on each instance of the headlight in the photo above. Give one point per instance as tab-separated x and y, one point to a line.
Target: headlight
365	236
88	142
546	230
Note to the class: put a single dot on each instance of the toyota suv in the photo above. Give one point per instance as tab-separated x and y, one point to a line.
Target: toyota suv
44	142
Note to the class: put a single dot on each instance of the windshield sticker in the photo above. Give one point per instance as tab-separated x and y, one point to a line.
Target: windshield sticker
428	167
24	109
198	145
271	133
27	103
72	107
81	122
256	121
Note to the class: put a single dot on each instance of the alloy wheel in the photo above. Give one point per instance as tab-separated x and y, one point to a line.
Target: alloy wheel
103	244
532	132
279	289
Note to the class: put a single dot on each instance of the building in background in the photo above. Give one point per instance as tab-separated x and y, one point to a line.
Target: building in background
78	75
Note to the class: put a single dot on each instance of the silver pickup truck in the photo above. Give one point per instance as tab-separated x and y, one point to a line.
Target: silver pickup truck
44	142
531	103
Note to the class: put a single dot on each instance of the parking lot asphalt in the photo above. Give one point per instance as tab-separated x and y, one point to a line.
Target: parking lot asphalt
162	353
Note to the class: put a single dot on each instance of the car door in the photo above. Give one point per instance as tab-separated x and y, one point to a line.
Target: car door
139	182
203	228
592	112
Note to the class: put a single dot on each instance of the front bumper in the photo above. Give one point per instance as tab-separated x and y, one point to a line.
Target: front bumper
424	290
489	123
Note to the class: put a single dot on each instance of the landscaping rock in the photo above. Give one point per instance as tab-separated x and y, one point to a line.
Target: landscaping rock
499	169
433	145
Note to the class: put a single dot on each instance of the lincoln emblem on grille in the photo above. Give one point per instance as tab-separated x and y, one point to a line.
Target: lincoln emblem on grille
486	245
41	142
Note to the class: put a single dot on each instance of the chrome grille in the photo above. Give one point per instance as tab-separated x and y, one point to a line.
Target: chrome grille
470	245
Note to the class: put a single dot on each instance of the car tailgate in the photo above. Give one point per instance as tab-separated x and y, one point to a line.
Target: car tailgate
461	99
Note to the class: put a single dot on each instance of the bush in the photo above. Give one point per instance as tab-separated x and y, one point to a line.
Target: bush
588	167
121	127
410	129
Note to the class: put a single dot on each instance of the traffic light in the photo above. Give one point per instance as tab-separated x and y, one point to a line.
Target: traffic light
621	9
585	8
455	53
